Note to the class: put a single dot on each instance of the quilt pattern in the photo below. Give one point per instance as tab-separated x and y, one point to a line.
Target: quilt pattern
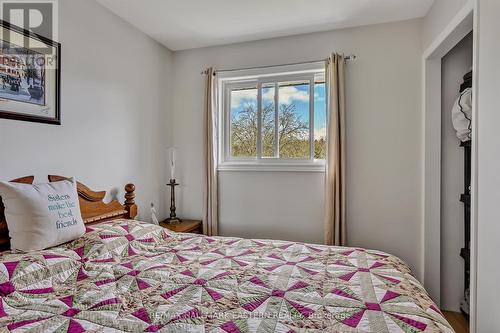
130	276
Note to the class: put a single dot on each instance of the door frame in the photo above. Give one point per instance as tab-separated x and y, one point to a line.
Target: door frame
461	25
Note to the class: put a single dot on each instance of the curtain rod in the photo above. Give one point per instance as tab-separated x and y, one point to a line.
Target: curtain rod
349	57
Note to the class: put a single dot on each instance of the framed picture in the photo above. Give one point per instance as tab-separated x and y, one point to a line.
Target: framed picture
30	74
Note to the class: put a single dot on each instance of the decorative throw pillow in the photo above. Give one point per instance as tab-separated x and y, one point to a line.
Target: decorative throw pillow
42	215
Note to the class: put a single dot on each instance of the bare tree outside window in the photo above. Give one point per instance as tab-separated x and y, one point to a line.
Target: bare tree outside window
285	131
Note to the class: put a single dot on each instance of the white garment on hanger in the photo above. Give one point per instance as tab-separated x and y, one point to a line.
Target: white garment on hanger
461	115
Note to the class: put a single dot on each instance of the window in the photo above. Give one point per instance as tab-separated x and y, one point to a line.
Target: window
273	120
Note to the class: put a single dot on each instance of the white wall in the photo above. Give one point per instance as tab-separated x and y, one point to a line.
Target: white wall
438	17
488	164
276	205
114	106
383	142
454	65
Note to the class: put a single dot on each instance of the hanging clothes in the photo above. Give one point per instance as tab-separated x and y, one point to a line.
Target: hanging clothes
461	115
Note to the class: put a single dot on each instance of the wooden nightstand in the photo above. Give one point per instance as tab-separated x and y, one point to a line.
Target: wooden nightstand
189	226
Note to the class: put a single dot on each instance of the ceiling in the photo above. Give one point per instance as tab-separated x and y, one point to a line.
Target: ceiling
186	24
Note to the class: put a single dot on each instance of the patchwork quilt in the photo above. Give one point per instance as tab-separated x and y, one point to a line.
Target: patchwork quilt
136	277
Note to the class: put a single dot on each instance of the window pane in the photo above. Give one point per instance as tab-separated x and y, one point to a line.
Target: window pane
319	121
243	126
294	120
268	120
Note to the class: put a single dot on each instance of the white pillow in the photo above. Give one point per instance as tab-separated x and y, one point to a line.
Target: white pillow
42	215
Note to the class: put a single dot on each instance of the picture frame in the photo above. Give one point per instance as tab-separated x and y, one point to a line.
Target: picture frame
30	76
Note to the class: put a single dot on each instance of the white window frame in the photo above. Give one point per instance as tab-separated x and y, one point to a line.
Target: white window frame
227	81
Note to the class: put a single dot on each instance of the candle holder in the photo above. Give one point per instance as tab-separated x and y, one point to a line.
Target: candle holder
173	219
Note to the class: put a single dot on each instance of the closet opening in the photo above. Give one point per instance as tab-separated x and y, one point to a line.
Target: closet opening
456	140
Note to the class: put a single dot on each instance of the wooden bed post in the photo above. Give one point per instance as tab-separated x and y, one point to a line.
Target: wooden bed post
130	205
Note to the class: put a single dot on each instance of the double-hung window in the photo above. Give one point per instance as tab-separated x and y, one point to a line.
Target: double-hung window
273	118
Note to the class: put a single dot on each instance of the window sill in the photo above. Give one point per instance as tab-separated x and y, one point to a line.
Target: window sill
273	167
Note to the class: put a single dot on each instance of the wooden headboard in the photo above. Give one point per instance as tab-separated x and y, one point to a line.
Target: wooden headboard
92	206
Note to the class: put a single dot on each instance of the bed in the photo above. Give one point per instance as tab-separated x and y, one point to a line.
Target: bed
127	275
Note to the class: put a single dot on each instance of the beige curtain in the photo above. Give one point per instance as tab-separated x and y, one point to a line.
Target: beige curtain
335	228
210	181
